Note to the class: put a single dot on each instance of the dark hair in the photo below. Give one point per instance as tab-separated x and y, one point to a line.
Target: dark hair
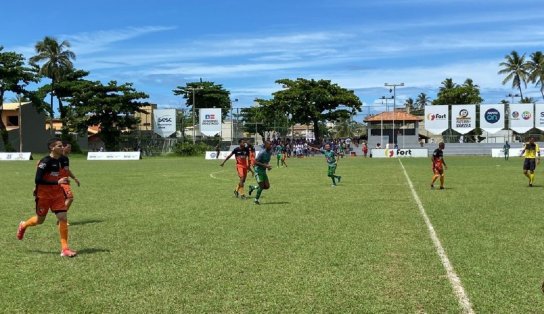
52	141
240	141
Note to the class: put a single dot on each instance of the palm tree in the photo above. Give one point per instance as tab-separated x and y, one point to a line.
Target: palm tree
516	70
57	60
423	100
536	70
527	100
409	104
470	83
447	84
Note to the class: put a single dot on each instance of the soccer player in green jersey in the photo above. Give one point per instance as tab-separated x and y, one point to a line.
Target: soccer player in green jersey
262	163
278	150
330	155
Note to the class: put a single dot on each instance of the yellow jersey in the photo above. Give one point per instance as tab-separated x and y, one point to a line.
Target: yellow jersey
531	150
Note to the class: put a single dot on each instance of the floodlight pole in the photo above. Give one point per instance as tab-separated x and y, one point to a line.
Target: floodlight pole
394	104
193	89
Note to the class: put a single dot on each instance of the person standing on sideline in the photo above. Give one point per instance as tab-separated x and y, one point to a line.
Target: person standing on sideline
506	149
241	154
530	151
50	195
217	151
262	163
365	149
438	164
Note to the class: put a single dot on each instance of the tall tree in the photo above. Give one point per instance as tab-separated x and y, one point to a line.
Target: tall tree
409	104
516	70
206	95
311	102
536	70
452	93
56	61
110	106
14	75
422	100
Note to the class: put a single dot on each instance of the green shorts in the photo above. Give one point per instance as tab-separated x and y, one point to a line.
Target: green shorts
332	170
261	176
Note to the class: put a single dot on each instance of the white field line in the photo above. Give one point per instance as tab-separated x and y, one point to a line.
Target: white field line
454	279
212	175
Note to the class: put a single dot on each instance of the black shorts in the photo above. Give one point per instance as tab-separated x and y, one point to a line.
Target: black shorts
529	164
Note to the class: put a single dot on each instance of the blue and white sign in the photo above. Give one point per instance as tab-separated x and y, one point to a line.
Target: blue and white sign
521	117
539	116
492	118
164	122
210	121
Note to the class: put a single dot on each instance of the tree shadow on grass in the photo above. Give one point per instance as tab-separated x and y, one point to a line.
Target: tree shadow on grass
85	222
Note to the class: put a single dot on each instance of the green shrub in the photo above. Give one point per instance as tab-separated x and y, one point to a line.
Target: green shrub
190	149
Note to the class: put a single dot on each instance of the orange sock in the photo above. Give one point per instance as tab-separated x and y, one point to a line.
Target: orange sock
31	222
63	230
241	189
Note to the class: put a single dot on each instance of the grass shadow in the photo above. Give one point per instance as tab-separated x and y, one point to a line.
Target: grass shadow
275	203
79	252
85	222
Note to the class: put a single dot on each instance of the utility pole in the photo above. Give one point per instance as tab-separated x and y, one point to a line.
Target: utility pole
394	105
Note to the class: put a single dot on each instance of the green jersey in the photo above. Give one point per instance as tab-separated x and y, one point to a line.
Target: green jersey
279	149
330	156
264	158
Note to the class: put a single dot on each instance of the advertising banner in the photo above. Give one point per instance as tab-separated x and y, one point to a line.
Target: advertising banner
463	118
539	116
514	152
113	156
164	122
399	153
14	156
521	117
492	118
210	121
436	119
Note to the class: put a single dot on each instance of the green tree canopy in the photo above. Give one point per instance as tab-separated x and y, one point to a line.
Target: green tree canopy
206	95
516	70
451	93
56	61
110	106
14	76
536	69
313	101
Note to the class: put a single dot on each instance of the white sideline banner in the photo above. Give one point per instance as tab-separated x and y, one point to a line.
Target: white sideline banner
492	118
14	156
436	118
521	117
463	118
514	152
113	156
399	153
164	122
210	121
212	155
539	116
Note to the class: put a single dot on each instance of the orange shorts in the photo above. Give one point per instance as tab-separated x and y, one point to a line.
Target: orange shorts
67	190
242	171
43	205
252	161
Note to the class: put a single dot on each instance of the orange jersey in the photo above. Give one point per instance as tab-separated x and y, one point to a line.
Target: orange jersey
242	156
47	177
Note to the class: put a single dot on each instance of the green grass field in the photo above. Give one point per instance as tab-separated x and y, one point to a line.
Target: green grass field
167	235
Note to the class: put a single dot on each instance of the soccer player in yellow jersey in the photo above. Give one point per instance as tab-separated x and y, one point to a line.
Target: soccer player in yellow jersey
530	151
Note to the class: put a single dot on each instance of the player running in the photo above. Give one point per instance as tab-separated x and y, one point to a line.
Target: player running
278	150
330	156
530	151
438	165
50	195
251	149
262	163
67	172
284	155
241	154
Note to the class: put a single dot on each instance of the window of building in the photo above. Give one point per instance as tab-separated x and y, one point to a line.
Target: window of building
13	121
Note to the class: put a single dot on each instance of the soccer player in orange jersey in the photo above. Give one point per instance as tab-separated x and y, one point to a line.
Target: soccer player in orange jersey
50	195
241	153
251	158
65	171
439	165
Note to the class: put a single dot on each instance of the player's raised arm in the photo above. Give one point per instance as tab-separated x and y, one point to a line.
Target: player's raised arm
227	158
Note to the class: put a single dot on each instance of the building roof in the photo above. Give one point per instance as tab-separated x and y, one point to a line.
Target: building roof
389	116
13	105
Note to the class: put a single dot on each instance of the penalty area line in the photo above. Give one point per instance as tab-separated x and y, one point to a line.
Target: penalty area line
212	175
455	281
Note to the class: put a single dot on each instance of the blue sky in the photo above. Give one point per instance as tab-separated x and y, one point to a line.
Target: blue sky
247	45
